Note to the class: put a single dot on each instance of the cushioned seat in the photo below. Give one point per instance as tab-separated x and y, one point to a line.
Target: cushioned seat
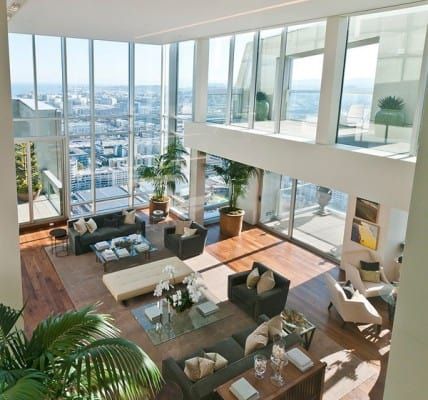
241	292
228	348
241	337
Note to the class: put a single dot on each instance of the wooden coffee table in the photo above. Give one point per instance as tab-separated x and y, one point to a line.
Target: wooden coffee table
307	385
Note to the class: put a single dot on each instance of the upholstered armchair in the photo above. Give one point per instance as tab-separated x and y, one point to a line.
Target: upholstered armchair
270	303
357	309
351	263
186	247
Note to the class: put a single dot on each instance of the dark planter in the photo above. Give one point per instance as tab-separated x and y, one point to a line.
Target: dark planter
390	117
159	205
262	110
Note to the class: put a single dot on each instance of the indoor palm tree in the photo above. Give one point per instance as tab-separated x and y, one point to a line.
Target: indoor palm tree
165	171
76	355
236	176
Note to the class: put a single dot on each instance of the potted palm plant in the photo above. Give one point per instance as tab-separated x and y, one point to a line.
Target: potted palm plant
76	355
165	171
236	176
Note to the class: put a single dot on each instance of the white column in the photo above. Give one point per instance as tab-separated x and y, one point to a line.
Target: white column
331	84
10	266
407	367
200	103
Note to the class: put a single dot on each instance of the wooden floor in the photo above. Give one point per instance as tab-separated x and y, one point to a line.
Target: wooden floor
44	293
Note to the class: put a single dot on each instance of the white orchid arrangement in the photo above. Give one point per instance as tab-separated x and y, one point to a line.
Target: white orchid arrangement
181	299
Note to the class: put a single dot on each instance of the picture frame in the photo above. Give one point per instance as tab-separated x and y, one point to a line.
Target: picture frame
365	233
367	210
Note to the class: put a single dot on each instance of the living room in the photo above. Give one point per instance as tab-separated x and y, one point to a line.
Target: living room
167	181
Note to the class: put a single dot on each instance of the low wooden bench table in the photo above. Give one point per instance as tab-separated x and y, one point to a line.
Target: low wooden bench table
307	385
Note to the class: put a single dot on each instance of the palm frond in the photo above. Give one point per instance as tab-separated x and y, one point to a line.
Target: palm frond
61	334
29	385
8	319
112	368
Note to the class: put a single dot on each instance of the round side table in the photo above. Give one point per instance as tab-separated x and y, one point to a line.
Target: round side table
59	236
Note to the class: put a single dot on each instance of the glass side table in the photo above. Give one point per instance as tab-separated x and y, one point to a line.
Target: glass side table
390	298
296	322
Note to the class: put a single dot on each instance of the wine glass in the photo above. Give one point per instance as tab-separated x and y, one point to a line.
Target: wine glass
260	366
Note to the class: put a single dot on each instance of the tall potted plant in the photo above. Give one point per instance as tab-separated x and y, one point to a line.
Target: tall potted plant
165	171
22	171
76	355
236	176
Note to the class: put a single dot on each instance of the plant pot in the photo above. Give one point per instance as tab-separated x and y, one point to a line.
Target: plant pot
231	222
162	205
390	117
262	110
25	197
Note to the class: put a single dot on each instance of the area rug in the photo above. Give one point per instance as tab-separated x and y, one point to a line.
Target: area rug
82	278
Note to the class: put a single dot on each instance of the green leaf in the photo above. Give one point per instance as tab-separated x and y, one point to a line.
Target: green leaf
29	386
8	319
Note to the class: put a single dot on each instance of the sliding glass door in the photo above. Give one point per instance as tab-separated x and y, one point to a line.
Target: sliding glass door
39	179
310	214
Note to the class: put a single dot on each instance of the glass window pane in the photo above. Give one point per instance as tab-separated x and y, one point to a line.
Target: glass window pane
111	169
78	86
267	78
49	76
276	202
185	80
80	170
218	72
381	80
21	68
319	217
242	72
216	191
302	80
111	78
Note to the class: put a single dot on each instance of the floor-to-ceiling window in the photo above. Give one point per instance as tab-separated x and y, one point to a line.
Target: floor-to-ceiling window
76	95
218	75
311	214
381	80
183	112
37	112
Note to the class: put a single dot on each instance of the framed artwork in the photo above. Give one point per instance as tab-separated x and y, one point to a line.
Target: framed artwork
365	233
367	210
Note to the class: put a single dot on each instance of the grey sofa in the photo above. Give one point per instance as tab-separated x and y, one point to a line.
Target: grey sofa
79	244
270	303
232	349
189	246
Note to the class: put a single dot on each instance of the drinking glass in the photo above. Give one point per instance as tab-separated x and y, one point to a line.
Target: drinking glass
260	365
278	361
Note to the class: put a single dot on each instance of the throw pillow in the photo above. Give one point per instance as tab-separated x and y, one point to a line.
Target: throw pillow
266	282
180	225
370	276
219	361
349	290
129	217
111	223
198	367
188	232
80	226
91	225
370	266
252	278
258	339
275	327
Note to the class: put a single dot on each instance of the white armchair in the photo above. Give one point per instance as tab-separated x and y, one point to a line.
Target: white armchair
351	262
356	310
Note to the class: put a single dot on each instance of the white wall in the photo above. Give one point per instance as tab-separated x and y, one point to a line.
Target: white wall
383	179
10	266
249	202
392	231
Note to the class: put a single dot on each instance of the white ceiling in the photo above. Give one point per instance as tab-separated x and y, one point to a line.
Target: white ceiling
165	21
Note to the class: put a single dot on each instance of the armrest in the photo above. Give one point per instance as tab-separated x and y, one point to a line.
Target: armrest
172	371
168	231
262	318
141	224
383	276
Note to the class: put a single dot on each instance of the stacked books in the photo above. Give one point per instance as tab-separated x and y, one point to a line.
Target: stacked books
109	255
242	390
122	253
100	246
153	313
142	247
207	308
299	359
